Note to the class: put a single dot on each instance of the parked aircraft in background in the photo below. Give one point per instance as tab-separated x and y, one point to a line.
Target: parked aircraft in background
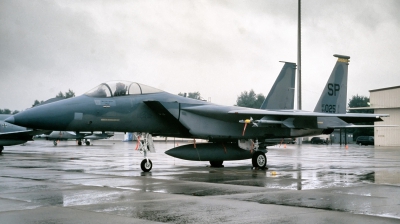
234	133
11	134
57	136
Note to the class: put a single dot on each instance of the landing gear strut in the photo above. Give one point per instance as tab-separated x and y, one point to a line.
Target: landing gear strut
145	144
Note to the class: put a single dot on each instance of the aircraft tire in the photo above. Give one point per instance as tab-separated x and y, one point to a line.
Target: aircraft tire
55	143
259	159
146	166
216	163
87	142
79	142
1	149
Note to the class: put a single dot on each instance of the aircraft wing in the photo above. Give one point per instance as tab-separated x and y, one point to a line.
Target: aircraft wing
99	136
287	118
224	113
170	112
348	117
360	126
177	115
23	134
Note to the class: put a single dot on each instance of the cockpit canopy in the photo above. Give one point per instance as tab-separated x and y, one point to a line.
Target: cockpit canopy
120	88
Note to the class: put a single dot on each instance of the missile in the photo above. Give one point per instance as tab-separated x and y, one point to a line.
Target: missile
210	152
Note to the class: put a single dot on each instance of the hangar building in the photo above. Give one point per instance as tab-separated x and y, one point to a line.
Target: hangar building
387	101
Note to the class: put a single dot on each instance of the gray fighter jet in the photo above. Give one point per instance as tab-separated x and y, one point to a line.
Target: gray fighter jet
57	136
11	134
234	133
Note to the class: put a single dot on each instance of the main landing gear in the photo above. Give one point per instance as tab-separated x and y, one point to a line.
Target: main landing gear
258	160
1	148
78	142
85	140
217	163
145	144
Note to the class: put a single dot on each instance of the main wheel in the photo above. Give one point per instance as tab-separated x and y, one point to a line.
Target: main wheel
259	159
87	142
79	142
146	165
1	149
216	163
55	143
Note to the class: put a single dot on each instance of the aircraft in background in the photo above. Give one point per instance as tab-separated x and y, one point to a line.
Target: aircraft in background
57	136
11	134
234	133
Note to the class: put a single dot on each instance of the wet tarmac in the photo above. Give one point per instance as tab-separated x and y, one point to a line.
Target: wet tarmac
103	183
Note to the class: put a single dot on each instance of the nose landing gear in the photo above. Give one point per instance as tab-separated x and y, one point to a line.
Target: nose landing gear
145	144
146	165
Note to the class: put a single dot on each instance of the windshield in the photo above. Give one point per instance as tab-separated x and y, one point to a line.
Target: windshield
120	88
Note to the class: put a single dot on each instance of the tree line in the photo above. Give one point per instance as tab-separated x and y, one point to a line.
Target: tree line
245	99
60	95
8	111
360	101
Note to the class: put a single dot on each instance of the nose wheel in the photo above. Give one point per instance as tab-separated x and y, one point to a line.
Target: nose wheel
146	165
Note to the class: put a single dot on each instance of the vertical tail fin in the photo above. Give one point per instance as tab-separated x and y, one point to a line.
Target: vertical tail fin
281	95
334	96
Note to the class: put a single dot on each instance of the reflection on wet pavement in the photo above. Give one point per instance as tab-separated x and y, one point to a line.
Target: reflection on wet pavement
302	184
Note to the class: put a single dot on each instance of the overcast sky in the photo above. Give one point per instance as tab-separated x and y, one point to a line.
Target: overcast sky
219	48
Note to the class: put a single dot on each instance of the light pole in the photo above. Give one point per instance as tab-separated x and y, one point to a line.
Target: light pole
299	140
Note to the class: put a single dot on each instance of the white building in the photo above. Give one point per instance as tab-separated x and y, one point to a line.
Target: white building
387	101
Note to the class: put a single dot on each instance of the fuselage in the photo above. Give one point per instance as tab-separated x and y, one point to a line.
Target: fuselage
85	113
175	116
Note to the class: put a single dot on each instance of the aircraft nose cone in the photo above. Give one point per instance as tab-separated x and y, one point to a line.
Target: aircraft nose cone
10	120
